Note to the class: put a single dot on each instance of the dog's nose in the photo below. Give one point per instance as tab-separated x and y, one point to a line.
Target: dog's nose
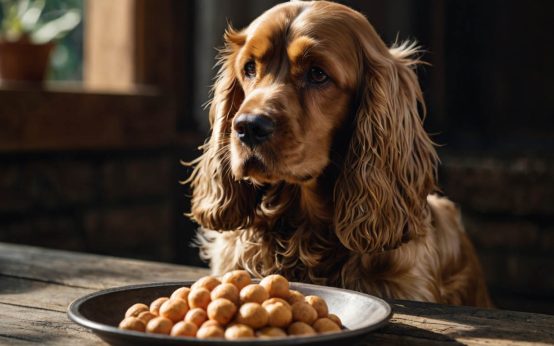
253	129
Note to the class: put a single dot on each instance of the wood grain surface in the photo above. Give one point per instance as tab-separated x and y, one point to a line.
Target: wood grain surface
37	285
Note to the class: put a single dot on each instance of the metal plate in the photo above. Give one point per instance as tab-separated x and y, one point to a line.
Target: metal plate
103	310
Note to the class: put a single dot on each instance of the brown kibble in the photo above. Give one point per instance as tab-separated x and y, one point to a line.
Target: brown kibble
300	328
221	310
325	325
174	309
303	312
136	309
156	304
253	293
196	316
275	300
335	319
159	325
227	291
319	305
208	282
234	308
239	331
276	285
271	332
133	323
279	315
294	297
252	315
239	278
210	332
146	316
184	328
199	298
182	293
210	323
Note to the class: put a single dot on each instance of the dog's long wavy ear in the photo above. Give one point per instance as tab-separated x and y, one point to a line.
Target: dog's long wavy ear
390	164
219	202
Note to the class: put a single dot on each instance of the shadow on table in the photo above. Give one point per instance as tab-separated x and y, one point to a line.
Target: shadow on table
398	333
451	323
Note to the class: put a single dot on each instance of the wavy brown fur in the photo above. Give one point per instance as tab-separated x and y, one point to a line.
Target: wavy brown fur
342	194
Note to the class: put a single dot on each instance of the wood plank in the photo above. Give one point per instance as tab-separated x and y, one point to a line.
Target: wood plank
37	294
468	325
21	326
38	281
86	270
41	119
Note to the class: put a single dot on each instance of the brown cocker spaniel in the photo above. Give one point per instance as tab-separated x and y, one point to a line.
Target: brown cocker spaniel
318	166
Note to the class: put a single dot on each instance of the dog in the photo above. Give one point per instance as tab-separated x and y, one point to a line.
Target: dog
318	166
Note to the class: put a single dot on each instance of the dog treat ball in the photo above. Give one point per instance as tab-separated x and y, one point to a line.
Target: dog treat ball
239	278
197	316
270	332
276	286
333	318
211	323
325	325
239	331
276	300
208	282
133	323
295	296
146	316
199	298
159	325
252	315
174	309
319	305
209	332
300	328
136	309
184	328
156	304
279	315
182	293
303	312
221	310
226	290
253	293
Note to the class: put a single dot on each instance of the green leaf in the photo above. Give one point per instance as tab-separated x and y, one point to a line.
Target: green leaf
56	28
30	18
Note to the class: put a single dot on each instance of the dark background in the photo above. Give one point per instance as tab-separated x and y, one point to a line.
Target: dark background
78	184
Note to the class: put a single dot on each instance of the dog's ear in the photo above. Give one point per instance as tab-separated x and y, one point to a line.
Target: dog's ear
390	164
220	202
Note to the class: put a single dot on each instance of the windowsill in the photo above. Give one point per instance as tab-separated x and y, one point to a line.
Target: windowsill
79	87
72	116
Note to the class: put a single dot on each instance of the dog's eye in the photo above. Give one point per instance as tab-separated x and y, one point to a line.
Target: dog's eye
250	69
317	76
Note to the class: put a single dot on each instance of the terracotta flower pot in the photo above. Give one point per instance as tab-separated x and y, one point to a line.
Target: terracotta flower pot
24	61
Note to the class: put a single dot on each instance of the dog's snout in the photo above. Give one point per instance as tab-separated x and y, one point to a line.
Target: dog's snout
253	129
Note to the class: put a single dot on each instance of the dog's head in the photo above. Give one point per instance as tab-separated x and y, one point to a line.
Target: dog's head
300	75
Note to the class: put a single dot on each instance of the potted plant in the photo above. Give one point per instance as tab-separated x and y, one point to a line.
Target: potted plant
26	39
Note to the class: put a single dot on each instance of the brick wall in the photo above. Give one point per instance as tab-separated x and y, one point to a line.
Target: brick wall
110	203
508	211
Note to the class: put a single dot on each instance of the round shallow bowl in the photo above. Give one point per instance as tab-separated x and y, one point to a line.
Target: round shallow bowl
102	311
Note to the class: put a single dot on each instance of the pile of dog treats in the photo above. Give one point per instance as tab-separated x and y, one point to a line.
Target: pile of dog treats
232	308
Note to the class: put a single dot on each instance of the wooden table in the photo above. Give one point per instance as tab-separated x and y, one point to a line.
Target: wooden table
37	285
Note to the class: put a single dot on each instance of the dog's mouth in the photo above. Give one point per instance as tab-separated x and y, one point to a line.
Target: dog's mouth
253	165
267	165
254	169
257	171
